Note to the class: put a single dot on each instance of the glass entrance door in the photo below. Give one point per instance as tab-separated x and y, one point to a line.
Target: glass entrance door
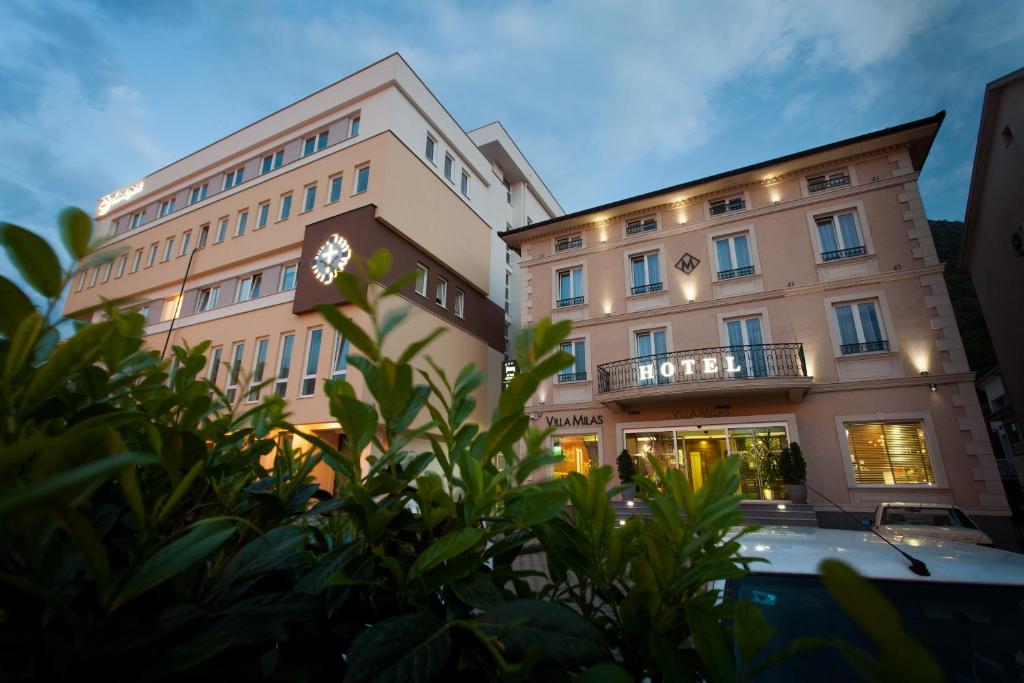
701	449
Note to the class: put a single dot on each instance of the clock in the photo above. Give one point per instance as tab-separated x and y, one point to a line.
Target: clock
331	258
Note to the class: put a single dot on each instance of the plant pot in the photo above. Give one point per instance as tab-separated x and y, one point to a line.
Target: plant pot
797	492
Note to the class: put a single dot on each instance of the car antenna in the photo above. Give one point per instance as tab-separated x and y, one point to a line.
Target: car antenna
916	565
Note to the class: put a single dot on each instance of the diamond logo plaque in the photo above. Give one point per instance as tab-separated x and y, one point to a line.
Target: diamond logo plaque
688	263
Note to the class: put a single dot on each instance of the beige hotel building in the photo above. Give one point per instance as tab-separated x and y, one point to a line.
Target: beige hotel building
798	299
234	242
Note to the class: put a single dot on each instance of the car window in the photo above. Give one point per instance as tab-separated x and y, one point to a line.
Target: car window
972	631
913	516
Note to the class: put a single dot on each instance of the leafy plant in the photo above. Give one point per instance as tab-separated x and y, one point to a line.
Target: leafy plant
791	465
626	467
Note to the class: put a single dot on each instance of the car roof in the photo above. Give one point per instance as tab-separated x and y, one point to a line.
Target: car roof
799	550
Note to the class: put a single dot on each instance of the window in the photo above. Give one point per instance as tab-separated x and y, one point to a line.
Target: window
334	194
259	364
441	292
233	178
641	225
286	207
860	328
646	273
107	268
198	194
207	299
310	200
249	287
186	242
362	179
448	163
570	287
312	361
144	312
222	229
284	363
889	453
168	249
720	206
839	237
288	274
204	234
215	357
166	207
171	309
137	261
272	161
353	129
262	215
464	184
733	254
421	279
138	218
579	452
564	243
651	343
746	346
235	370
153	249
94	277
827	181
243	220
314	143
460	303
81	281
122	263
339	357
508	284
430	148
508	191
577	372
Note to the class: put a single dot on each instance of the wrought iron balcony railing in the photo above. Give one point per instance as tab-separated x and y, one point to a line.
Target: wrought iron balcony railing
572	376
735	272
574	243
843	253
864	347
754	361
723	207
571	301
646	289
829	183
638	226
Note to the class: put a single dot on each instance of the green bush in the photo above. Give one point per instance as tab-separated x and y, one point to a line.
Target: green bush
791	465
626	467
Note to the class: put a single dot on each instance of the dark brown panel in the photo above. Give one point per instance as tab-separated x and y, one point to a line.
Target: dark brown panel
365	235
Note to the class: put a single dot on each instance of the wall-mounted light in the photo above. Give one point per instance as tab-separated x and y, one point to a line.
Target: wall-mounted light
933	387
924	373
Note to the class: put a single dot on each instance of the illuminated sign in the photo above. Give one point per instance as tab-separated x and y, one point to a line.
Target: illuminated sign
576	420
331	258
122	195
689	366
510	371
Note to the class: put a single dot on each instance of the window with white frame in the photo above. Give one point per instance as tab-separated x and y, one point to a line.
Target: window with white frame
569	286
262	215
577	372
309	369
186	242
259	365
441	292
144	312
334	189
168	249
138	218
645	271
207	299
271	161
249	287
310	198
725	205
464	184
153	249
288	276
232	178
222	229
243	221
284	363
171	309
314	143
449	163
460	303
198	194
80	284
508	191
339	357
204	234
286	207
166	206
641	225
860	327
422	274
827	181
889	453
137	261
746	345
733	255
107	269
362	179
237	352
839	236
122	263
563	244
353	127
647	344
431	143
215	357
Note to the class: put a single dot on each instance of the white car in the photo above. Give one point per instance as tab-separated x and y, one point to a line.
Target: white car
934	520
967	612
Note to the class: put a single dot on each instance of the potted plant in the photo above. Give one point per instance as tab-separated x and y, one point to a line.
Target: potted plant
627	470
793	470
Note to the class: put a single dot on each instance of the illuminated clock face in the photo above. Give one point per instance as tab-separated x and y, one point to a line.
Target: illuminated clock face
331	258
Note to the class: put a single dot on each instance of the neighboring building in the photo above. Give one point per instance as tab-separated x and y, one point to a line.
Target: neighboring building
1004	429
242	226
993	250
799	299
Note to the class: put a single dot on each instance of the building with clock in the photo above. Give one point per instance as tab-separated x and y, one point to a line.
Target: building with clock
239	241
798	299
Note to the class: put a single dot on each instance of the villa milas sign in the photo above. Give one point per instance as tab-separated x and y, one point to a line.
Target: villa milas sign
689	366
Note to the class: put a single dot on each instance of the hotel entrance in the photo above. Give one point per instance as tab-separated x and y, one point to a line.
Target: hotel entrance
697	449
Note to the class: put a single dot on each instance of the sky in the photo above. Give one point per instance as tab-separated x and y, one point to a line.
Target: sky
607	99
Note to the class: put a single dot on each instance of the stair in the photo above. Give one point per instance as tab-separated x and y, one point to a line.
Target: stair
764	513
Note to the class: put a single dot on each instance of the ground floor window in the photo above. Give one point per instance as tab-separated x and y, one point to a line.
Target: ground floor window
578	451
697	449
889	453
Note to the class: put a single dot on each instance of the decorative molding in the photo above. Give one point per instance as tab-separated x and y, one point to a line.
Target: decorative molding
977	445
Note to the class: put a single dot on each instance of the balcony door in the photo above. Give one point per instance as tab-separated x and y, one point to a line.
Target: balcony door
651	346
747	346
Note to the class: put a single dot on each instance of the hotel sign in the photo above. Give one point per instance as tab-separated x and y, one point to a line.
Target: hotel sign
576	420
331	258
689	366
118	196
510	370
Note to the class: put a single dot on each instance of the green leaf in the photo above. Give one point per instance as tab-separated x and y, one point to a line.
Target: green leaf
177	556
66	485
14	308
22	343
445	548
75	231
605	672
712	641
352	332
81	350
179	491
33	258
557	633
415	647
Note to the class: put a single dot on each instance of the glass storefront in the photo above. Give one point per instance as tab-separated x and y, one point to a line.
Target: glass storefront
578	451
697	449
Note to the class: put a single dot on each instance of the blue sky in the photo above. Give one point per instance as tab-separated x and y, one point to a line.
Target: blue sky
607	99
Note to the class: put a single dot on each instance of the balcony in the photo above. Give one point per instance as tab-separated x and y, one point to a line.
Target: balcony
566	243
735	272
571	301
828	183
721	370
572	377
864	347
718	208
840	254
635	227
646	289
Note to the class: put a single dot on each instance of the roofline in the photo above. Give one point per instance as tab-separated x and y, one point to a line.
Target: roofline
935	119
981	149
526	158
